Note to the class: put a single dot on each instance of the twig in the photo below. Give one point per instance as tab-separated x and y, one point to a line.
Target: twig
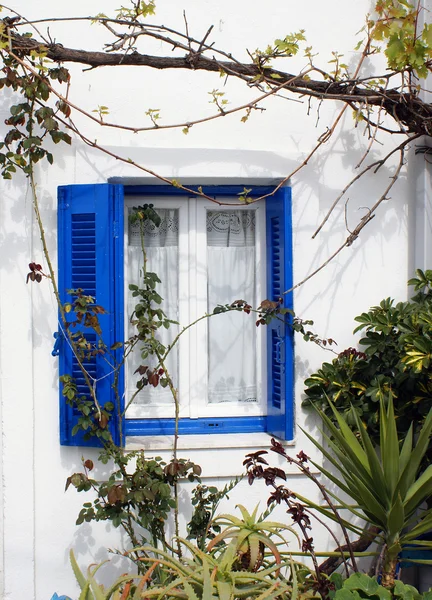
375	166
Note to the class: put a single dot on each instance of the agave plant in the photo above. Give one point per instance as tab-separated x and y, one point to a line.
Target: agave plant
384	482
250	538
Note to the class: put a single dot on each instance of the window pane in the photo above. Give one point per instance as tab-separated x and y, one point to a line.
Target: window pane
231	275
161	247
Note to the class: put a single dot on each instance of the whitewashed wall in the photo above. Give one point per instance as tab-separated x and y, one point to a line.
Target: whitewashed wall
38	517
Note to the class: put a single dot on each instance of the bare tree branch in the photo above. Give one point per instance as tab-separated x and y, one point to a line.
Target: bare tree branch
412	114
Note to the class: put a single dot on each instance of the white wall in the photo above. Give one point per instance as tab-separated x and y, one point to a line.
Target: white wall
38	527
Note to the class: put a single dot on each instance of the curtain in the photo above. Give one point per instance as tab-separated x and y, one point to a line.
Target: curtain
231	276
161	245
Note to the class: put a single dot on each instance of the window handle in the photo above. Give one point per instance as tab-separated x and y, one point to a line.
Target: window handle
58	338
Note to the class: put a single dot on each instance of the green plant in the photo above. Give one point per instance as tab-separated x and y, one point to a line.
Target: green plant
394	364
386	485
202	575
250	538
205	501
126	587
138	499
361	586
384	482
206	575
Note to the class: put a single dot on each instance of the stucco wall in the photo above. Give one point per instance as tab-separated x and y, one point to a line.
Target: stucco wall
38	526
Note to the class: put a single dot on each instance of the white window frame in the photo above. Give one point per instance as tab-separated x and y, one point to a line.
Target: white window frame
193	372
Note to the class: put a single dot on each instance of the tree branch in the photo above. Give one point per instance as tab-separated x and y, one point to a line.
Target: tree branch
406	108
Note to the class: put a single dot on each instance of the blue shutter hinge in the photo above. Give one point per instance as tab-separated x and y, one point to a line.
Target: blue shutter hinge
58	340
115	229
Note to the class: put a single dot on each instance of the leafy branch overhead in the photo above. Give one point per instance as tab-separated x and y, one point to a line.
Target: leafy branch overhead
36	65
392	29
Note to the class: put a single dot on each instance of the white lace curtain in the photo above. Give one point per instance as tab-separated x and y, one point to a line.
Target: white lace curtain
232	336
161	245
230	276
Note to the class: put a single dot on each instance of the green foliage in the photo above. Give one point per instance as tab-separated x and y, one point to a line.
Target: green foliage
361	586
250	538
154	115
124	588
384	482
290	45
219	100
201	576
214	572
395	365
215	576
102	111
93	420
139	8
138	494
205	501
147	317
32	121
396	25
281	48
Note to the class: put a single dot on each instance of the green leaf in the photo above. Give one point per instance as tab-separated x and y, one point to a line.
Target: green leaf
422	527
396	518
368	585
406	592
50	124
405	454
347	439
389	447
31	141
376	469
419	491
410	471
82	582
344	594
86	593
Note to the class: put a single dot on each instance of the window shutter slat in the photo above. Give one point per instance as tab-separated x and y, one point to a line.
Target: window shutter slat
280	383
90	256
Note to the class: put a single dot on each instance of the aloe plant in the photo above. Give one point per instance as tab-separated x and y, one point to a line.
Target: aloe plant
250	537
203	576
126	587
383	481
216	577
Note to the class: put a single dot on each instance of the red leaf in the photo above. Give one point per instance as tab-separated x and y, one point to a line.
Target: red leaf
153	379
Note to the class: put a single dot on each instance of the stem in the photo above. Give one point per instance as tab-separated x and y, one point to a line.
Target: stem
174	393
55	287
389	571
305	470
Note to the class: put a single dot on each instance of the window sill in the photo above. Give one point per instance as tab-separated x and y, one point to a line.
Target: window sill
218	455
202	442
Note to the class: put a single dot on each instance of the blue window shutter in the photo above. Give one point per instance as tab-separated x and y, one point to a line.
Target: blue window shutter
90	256
280	356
